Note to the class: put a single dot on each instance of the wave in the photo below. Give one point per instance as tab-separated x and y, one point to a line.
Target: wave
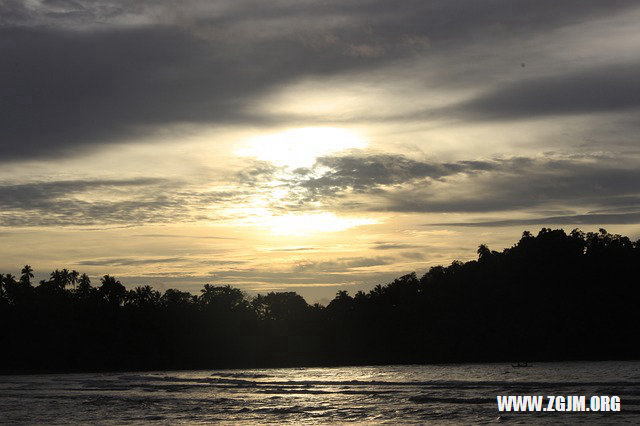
426	399
266	383
216	379
242	375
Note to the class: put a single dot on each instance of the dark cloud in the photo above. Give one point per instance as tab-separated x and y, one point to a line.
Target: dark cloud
443	19
630	208
400	184
77	74
67	90
64	90
354	182
61	203
366	173
104	202
605	89
38	195
583	219
543	183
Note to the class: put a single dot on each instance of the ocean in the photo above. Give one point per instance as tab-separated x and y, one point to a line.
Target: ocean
455	394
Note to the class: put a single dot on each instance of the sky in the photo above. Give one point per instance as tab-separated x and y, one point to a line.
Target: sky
309	146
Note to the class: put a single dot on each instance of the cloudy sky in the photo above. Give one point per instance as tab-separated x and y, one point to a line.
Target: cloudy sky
309	146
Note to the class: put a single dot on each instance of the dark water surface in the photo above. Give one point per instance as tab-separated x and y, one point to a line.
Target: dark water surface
383	394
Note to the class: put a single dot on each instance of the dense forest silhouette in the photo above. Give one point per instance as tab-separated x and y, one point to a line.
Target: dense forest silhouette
554	296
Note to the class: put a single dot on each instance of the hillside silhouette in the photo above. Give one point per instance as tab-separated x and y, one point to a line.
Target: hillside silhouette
554	296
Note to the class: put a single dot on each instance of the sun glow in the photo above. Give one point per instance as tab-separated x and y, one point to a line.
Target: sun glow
311	223
300	147
298	224
292	149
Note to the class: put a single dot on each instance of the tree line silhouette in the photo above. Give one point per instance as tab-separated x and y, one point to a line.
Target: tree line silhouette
554	296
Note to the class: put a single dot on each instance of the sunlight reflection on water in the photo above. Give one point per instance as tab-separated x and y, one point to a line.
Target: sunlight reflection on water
381	394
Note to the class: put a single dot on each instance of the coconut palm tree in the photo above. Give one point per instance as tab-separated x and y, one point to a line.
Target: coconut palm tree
4	285
73	277
84	290
57	279
9	283
66	280
143	296
112	290
27	274
84	284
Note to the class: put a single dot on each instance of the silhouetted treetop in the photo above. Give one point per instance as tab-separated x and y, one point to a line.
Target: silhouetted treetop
550	296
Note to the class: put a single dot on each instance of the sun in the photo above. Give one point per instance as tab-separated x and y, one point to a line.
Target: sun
292	149
295	148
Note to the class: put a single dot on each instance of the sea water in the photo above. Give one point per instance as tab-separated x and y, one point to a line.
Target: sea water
455	394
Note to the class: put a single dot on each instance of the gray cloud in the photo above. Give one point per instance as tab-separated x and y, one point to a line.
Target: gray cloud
39	194
341	265
542	183
69	90
256	173
126	261
444	19
583	219
604	89
294	249
61	203
105	202
354	182
365	173
182	236
77	74
413	255
130	261
397	183
65	89
393	246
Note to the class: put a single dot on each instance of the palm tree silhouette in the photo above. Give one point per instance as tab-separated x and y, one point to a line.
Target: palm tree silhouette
5	283
57	278
112	290
27	274
73	277
65	277
84	284
8	282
